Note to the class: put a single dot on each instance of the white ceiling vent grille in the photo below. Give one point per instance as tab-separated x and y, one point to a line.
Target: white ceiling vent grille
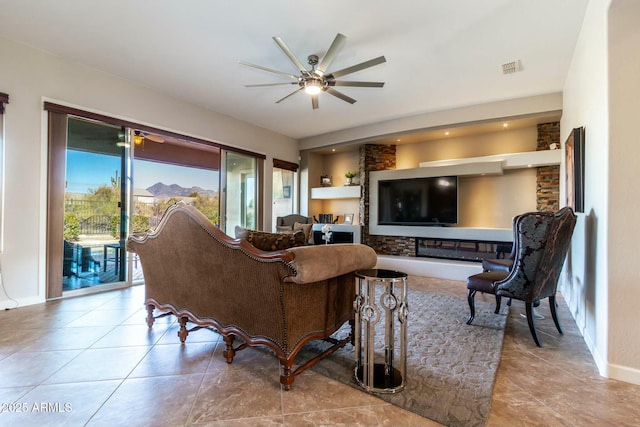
511	67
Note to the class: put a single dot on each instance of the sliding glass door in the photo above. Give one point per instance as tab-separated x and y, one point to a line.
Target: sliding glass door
95	195
283	193
241	192
167	170
107	179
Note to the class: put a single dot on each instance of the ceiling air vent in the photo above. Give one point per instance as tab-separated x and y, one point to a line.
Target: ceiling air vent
511	67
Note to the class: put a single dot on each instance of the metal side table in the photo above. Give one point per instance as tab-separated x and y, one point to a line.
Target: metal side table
381	297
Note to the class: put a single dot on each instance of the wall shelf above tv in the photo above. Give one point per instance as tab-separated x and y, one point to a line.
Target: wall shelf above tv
344	192
479	165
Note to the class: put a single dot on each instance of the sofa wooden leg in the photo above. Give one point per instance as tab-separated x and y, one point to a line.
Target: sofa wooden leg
287	377
150	318
183	332
229	351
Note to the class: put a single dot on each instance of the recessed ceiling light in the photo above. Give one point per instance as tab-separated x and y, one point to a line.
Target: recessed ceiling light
398	140
504	125
446	133
333	149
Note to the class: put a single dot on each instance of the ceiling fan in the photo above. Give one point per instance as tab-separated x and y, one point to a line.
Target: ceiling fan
317	79
139	137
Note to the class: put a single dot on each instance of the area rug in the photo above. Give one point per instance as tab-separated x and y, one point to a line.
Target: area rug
451	366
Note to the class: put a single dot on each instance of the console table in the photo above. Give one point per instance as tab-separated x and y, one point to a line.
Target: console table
381	297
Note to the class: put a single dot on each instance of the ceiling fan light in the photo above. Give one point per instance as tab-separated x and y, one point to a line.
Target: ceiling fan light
137	138
313	87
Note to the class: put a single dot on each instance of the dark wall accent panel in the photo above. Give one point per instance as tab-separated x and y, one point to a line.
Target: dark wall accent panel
376	158
548	177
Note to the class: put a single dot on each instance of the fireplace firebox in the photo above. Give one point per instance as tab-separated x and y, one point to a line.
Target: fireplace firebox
463	250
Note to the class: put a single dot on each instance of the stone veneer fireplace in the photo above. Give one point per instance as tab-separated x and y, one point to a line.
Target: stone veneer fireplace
383	157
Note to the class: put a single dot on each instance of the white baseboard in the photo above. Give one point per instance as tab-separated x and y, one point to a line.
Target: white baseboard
20	302
429	267
624	373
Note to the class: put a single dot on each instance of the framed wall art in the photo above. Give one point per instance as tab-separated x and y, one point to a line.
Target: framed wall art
574	161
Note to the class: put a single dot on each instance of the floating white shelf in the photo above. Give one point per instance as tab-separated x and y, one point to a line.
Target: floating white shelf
345	192
529	159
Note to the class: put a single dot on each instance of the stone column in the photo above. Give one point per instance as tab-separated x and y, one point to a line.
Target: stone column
548	177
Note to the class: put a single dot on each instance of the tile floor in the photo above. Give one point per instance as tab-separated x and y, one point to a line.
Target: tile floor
92	361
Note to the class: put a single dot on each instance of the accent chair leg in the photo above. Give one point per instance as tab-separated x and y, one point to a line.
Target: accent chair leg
532	326
498	300
554	313
472	306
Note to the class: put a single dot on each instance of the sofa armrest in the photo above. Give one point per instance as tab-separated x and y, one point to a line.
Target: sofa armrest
322	262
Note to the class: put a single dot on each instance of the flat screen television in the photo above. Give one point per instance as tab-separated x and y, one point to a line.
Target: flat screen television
418	201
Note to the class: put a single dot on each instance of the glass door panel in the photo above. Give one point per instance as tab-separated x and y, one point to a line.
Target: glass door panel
283	193
240	192
94	230
158	185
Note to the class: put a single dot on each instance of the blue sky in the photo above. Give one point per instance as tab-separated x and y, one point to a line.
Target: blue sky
89	171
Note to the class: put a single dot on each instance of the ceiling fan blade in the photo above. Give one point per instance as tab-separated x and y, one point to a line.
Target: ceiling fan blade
292	93
340	95
290	55
271	84
314	101
153	137
328	57
260	67
355	84
358	67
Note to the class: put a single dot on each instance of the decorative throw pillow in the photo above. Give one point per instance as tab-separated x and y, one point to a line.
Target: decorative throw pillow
274	241
306	229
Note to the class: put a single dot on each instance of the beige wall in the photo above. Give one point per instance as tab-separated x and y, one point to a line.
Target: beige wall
601	93
507	141
493	201
585	104
30	77
624	169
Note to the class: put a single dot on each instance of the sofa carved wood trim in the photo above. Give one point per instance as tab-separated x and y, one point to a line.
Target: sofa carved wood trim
281	299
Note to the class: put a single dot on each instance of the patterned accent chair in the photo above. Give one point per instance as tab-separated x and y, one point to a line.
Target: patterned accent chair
295	222
289	220
502	264
542	242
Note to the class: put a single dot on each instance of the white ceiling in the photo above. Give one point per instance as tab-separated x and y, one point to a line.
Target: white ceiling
440	54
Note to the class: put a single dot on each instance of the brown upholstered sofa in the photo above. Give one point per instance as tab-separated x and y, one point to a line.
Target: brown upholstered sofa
281	299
